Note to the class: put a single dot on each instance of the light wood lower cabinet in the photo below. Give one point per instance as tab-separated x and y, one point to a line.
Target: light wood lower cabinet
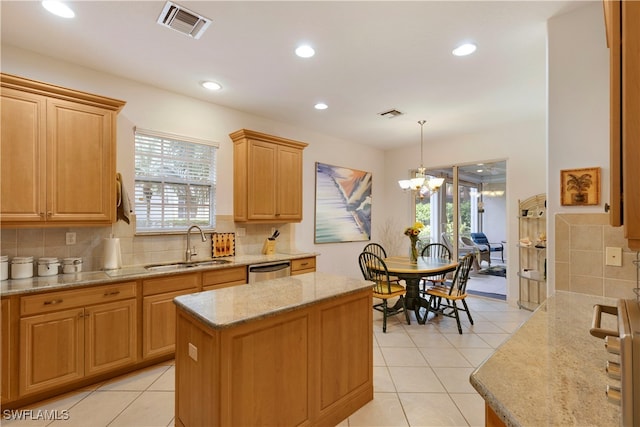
60	347
6	378
222	278
159	312
309	366
303	265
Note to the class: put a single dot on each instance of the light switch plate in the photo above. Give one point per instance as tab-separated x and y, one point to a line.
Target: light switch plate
613	256
193	352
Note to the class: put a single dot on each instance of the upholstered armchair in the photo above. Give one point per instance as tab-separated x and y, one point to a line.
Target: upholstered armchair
480	239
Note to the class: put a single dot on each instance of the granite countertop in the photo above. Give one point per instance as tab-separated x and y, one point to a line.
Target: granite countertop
551	371
63	281
222	308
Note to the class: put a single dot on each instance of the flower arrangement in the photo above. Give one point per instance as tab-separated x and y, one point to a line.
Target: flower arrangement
413	233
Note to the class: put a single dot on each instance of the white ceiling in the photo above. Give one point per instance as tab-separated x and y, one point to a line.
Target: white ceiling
370	57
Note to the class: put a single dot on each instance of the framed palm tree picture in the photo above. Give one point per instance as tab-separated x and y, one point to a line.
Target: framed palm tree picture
580	187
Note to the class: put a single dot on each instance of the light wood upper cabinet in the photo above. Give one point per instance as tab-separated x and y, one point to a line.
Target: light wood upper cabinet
58	155
267	178
623	39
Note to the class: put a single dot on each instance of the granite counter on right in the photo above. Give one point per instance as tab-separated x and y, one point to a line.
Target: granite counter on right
551	371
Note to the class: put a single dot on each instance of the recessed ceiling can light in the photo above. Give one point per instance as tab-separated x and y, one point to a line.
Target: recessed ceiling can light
58	9
464	49
321	106
305	51
212	85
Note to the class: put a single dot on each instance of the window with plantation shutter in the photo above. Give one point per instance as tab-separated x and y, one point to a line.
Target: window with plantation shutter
175	182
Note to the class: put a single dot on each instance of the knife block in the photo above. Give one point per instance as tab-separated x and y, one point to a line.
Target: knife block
269	247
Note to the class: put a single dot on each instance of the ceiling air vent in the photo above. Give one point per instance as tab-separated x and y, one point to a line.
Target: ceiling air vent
183	20
390	114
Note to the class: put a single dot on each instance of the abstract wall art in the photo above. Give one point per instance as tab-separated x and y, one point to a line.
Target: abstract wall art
343	204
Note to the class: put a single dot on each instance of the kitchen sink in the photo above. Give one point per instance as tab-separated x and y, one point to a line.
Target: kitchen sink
185	265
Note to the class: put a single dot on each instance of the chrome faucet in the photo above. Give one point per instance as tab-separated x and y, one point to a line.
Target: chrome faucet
190	253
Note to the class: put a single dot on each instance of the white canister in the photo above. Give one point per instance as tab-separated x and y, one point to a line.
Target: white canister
22	267
4	267
71	265
48	267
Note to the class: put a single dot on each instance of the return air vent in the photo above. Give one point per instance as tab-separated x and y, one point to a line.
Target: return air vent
183	20
390	114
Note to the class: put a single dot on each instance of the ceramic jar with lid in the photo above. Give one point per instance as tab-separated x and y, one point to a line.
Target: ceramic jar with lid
71	265
22	267
48	267
4	267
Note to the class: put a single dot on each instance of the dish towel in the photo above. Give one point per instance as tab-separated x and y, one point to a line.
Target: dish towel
123	204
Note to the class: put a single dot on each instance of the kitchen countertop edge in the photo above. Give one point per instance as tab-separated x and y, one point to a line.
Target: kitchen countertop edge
104	277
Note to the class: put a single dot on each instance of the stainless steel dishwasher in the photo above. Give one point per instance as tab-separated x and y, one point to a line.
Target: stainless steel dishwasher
267	271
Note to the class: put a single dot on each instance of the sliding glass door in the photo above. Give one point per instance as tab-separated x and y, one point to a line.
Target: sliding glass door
457	208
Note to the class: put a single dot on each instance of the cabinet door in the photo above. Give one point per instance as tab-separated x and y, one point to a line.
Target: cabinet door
22	145
262	175
5	340
111	336
289	187
159	324
80	163
631	121
51	350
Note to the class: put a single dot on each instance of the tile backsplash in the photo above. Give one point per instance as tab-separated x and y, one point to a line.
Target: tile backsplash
580	244
135	249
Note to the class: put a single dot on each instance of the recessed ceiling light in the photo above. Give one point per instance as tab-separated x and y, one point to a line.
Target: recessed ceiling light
480	171
464	49
58	9
305	51
321	106
212	85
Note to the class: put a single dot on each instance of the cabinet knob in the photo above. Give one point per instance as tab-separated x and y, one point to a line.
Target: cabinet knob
607	207
49	213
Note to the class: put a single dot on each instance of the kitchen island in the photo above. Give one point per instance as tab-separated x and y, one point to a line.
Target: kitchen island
289	351
551	371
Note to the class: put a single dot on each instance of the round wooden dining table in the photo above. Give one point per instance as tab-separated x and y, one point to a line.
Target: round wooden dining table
411	273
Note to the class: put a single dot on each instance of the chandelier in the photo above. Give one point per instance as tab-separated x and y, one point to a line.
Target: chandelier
421	183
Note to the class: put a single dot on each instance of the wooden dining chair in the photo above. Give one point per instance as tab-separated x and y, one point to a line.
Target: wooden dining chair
378	250
374	269
443	297
434	250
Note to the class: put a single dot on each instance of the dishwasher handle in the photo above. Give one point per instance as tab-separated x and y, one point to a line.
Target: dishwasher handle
268	267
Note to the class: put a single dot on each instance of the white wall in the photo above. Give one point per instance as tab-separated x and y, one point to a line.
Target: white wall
152	108
578	107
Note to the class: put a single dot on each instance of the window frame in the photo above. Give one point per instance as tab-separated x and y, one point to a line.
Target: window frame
175	182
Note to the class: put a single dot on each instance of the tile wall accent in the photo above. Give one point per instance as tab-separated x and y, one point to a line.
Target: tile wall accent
136	250
580	242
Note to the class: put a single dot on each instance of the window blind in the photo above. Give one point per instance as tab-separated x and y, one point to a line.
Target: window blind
175	182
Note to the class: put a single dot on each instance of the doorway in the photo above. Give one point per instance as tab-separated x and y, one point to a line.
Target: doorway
478	206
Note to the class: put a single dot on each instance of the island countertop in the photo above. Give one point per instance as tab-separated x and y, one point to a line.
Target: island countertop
551	371
222	308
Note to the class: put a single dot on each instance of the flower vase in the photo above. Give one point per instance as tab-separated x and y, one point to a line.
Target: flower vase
414	251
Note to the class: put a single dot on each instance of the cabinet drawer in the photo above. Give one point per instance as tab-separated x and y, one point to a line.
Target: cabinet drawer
161	285
54	301
306	264
229	276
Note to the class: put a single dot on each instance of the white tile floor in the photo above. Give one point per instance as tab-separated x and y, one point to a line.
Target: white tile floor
421	378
